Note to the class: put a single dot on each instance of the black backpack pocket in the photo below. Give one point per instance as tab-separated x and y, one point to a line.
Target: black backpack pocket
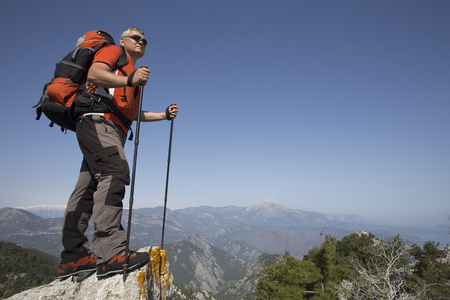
58	114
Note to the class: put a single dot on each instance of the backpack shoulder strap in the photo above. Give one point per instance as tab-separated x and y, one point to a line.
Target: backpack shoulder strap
122	62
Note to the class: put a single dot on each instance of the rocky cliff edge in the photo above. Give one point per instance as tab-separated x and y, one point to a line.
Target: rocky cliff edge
148	282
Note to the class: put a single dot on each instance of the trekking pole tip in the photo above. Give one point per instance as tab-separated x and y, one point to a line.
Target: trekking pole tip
125	267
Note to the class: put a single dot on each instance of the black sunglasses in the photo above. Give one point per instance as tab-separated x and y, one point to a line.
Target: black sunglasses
137	38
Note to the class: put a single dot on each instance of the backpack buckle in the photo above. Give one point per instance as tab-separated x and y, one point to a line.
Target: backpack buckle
96	99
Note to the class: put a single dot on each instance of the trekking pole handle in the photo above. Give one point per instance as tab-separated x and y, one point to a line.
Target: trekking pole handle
143	67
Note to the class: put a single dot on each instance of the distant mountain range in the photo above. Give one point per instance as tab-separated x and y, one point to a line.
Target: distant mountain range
245	232
219	251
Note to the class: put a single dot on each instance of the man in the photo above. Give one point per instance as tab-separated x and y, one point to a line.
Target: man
104	171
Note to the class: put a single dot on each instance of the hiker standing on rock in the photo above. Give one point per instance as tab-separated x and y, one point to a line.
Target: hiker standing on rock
104	170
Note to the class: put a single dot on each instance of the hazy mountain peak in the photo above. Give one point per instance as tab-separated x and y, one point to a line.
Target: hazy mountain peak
41	206
46	211
269	206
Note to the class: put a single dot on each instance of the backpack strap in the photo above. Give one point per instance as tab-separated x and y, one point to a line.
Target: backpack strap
109	105
123	61
107	102
43	96
86	102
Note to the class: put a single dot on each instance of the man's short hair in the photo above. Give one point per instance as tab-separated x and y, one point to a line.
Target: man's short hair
126	32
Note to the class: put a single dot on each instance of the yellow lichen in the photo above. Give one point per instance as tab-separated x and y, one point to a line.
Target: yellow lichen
157	267
142	280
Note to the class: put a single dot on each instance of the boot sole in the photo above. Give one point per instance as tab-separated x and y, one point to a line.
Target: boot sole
77	273
113	272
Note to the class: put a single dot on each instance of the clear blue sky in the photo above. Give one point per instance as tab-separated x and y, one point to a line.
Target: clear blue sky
328	106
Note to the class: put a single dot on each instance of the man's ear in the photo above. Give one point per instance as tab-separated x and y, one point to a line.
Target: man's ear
122	42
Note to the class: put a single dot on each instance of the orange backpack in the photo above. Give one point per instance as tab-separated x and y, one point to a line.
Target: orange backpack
70	79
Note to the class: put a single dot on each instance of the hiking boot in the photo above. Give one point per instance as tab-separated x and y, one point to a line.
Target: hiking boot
84	264
115	264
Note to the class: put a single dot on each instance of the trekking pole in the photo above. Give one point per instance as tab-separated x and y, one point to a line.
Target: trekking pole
167	183
133	178
165	207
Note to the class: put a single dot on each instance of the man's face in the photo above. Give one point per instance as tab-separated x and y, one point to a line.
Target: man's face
132	46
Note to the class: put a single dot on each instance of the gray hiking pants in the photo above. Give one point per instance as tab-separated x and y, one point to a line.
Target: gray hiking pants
98	193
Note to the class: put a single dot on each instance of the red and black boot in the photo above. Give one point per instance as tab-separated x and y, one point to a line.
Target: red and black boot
84	264
115	265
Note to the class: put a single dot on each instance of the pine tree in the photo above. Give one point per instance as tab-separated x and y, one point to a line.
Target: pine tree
289	279
431	270
21	269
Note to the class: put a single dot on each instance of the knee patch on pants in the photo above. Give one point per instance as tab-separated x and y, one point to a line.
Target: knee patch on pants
110	163
116	193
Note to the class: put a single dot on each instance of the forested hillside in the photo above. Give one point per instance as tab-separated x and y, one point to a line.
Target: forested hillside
360	266
22	268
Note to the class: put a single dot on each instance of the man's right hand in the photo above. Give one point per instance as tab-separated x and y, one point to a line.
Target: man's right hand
141	76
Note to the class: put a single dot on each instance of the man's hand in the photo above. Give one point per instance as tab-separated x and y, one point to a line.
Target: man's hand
100	74
171	112
140	76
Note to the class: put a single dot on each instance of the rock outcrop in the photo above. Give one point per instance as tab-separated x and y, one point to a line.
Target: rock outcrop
201	266
149	282
245	288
